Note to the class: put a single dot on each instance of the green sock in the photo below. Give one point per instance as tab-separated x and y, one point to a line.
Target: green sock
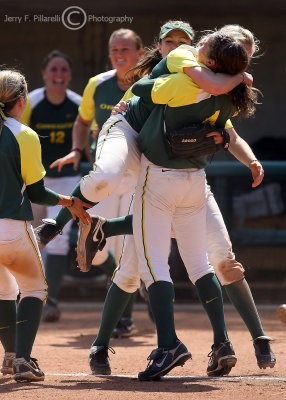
54	269
118	226
161	295
115	302
210	295
28	320
240	295
109	265
127	313
64	216
8	325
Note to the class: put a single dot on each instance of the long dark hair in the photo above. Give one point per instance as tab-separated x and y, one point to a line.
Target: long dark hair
231	58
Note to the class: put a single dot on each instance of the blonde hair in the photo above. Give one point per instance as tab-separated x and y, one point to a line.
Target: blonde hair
128	34
13	86
243	35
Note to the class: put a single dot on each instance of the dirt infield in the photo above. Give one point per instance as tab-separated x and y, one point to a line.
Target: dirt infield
62	350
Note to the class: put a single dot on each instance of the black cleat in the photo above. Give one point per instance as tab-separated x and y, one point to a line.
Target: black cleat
46	232
164	360
90	241
51	312
124	328
222	359
27	371
264	355
98	360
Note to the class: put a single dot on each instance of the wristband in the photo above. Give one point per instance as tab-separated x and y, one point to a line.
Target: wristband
77	149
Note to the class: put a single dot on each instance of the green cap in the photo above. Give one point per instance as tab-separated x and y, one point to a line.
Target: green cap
171	26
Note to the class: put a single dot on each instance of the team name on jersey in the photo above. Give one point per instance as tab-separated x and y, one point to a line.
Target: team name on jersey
106	106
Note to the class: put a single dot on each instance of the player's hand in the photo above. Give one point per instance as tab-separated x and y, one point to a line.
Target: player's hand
218	139
257	172
120	107
78	210
248	79
72	158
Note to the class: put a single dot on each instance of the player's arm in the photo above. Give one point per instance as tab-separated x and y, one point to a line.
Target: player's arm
217	83
39	194
241	150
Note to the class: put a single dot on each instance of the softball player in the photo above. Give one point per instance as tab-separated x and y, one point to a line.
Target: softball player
245	155
21	268
102	92
51	112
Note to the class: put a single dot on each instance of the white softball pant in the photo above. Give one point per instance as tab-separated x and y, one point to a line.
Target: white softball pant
116	153
21	266
218	247
164	198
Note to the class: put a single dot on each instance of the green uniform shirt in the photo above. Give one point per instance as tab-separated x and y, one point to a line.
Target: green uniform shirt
20	155
100	96
54	124
180	103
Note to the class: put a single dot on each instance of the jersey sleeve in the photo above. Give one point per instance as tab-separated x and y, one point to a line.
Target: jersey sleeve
228	124
26	116
143	87
128	94
32	169
87	106
182	57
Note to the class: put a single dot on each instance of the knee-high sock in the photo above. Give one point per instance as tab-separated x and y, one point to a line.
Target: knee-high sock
28	320
109	265
161	295
8	325
127	313
210	295
118	226
115	302
54	270
64	216
240	295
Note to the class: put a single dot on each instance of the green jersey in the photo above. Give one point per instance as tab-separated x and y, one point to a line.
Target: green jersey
100	96
54	124
20	155
180	102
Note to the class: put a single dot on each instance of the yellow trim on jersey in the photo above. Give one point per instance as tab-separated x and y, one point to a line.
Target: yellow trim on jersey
143	227
87	106
26	116
37	256
182	57
128	94
177	90
32	169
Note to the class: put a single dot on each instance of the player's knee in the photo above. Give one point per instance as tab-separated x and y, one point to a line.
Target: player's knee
39	294
229	270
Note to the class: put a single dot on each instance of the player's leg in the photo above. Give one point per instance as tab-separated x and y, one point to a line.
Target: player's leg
8	296
153	207
57	251
117	151
23	260
125	283
230	274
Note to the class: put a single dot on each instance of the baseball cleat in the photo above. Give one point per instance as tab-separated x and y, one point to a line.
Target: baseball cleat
27	371
46	232
51	312
90	241
124	328
98	360
164	360
7	364
222	359
263	352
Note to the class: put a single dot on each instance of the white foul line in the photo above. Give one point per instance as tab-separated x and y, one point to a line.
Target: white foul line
187	377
